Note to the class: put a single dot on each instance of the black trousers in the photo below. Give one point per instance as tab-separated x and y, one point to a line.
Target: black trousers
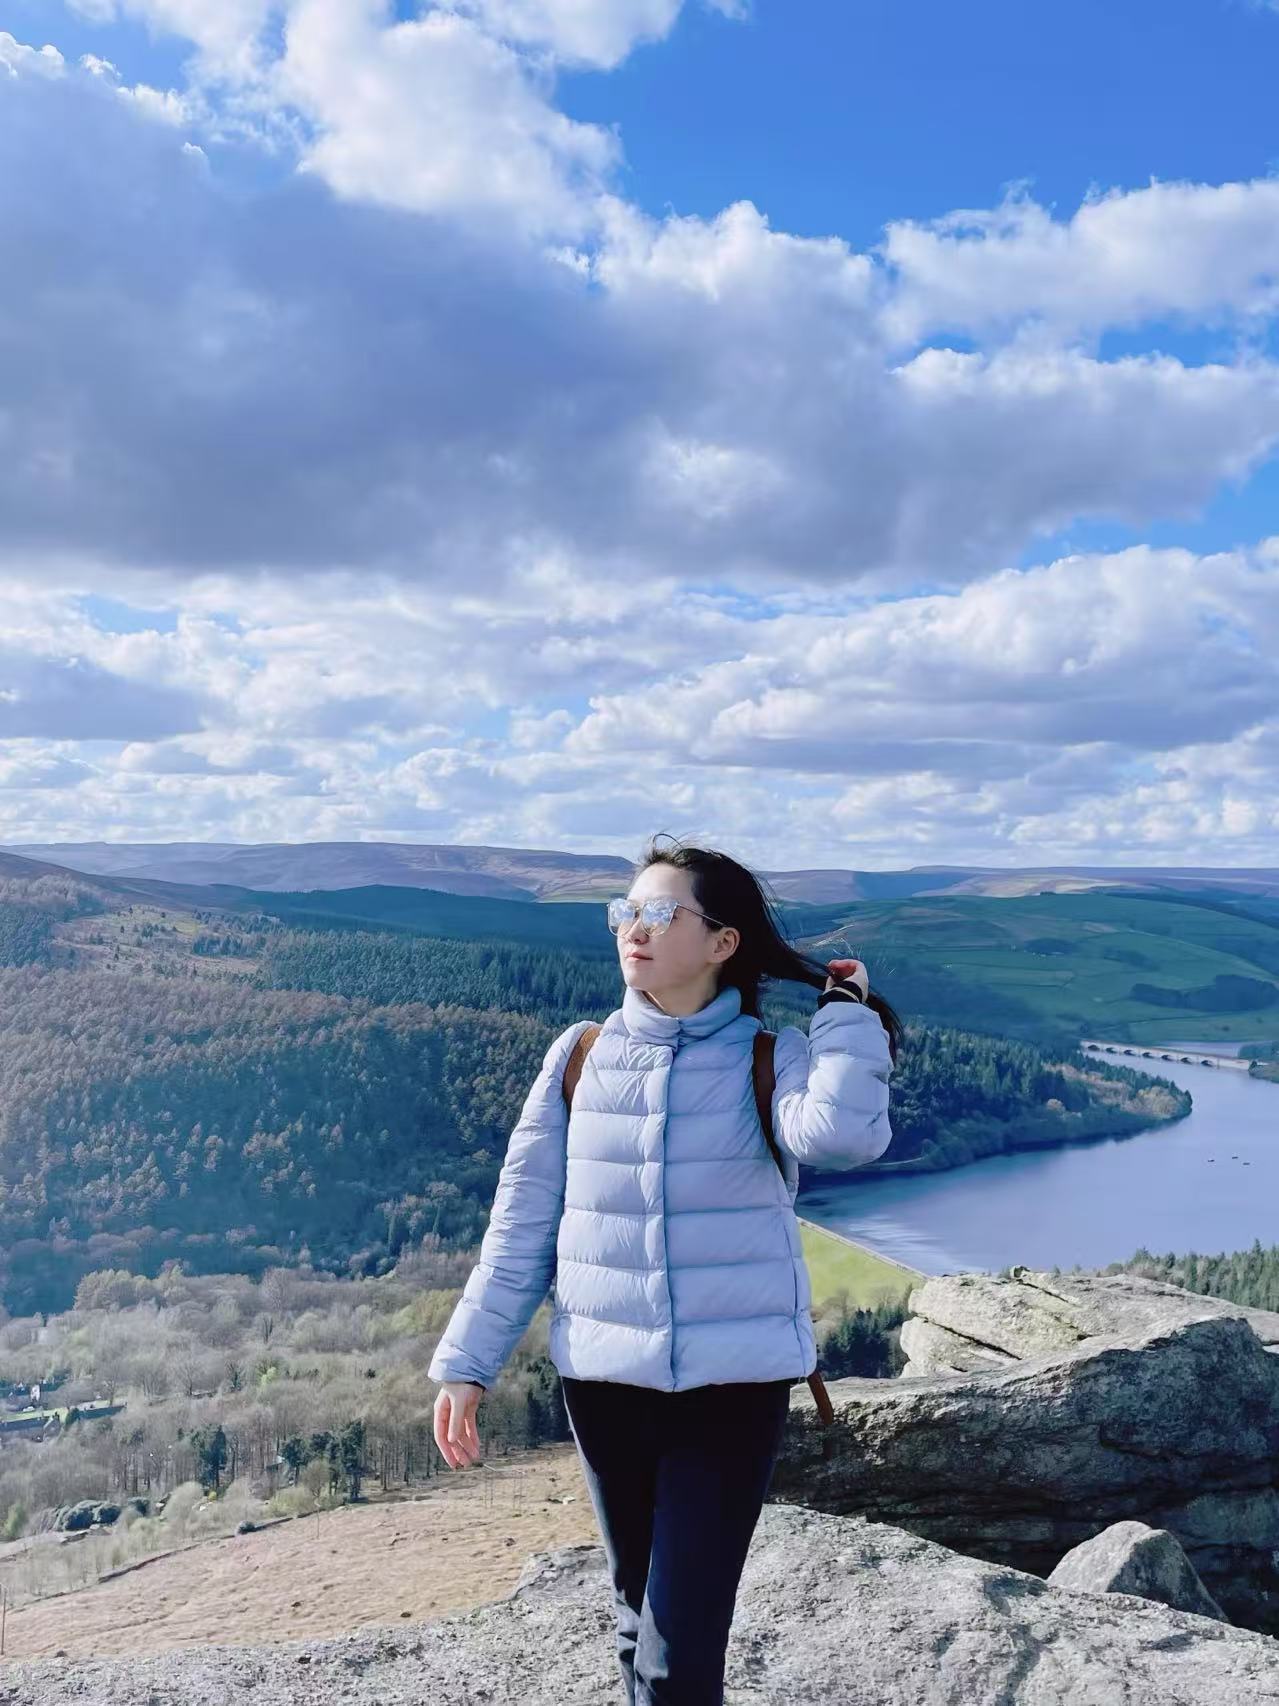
677	1480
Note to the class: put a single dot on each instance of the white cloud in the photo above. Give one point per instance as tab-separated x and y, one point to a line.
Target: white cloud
598	33
1195	251
589	32
1099	707
394	465
450	111
734	262
25	772
16	57
433	115
1138	651
294	383
226	33
165	105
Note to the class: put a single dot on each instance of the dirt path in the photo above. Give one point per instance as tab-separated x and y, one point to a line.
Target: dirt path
461	1544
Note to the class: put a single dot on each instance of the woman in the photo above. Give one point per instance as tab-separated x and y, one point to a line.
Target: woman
681	1296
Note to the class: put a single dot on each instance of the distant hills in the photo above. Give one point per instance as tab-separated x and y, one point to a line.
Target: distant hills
1043	958
1047	957
537	874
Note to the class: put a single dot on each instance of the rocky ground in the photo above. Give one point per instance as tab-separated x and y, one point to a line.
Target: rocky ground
831	1609
1070	1498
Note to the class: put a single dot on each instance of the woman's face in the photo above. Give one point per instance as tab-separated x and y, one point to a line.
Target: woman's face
687	954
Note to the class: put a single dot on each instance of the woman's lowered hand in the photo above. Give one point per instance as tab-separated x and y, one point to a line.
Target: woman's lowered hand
455	1433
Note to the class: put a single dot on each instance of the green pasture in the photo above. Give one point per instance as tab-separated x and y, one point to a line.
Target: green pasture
835	1266
1069	962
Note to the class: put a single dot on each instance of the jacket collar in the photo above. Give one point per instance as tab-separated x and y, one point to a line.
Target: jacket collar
645	1020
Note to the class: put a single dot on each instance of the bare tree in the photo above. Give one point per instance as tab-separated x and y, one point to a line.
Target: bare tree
152	1376
186	1371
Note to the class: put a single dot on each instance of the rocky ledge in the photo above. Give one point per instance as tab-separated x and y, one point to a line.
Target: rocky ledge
830	1609
1037	1411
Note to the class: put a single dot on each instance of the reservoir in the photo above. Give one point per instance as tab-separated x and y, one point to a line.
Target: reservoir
1208	1183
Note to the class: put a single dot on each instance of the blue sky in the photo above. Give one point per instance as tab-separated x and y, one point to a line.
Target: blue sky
840	117
847	431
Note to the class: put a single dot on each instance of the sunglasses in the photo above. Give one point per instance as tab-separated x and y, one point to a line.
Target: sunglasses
655	915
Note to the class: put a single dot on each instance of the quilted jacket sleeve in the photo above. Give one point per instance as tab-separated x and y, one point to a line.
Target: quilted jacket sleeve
830	1101
517	1255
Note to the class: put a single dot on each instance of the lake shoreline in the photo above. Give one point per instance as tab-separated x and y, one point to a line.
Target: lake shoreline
1201	1182
1103	1121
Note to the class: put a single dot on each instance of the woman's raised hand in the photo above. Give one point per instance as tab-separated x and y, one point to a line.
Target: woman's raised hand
455	1433
853	970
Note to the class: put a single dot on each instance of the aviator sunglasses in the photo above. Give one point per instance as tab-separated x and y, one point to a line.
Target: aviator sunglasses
655	914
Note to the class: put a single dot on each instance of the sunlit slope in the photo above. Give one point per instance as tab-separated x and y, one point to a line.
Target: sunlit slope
835	1266
1111	965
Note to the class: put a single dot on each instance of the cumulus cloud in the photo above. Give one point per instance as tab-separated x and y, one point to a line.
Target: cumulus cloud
1097	707
17	57
590	32
481	506
72	699
1195	251
226	33
1135	651
449	110
46	770
435	115
292	381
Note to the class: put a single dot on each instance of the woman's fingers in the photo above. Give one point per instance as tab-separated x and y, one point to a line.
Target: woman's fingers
443	1409
455	1430
462	1430
470	1433
853	970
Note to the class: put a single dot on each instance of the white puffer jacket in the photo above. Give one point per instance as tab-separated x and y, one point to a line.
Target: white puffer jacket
657	1211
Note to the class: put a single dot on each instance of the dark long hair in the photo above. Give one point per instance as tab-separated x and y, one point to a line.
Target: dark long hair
727	891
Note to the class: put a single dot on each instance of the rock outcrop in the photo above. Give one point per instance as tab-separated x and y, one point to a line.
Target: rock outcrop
88	1513
1040	1410
1130	1557
836	1610
963	1322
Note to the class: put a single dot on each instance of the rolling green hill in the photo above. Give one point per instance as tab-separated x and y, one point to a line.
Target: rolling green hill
1121	966
1118	963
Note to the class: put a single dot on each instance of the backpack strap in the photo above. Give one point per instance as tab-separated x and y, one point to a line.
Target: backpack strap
573	1067
765	1076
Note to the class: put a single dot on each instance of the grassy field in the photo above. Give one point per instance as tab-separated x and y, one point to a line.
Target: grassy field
836	1264
1071	962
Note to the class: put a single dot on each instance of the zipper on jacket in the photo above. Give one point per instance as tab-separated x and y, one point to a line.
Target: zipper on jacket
666	1254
